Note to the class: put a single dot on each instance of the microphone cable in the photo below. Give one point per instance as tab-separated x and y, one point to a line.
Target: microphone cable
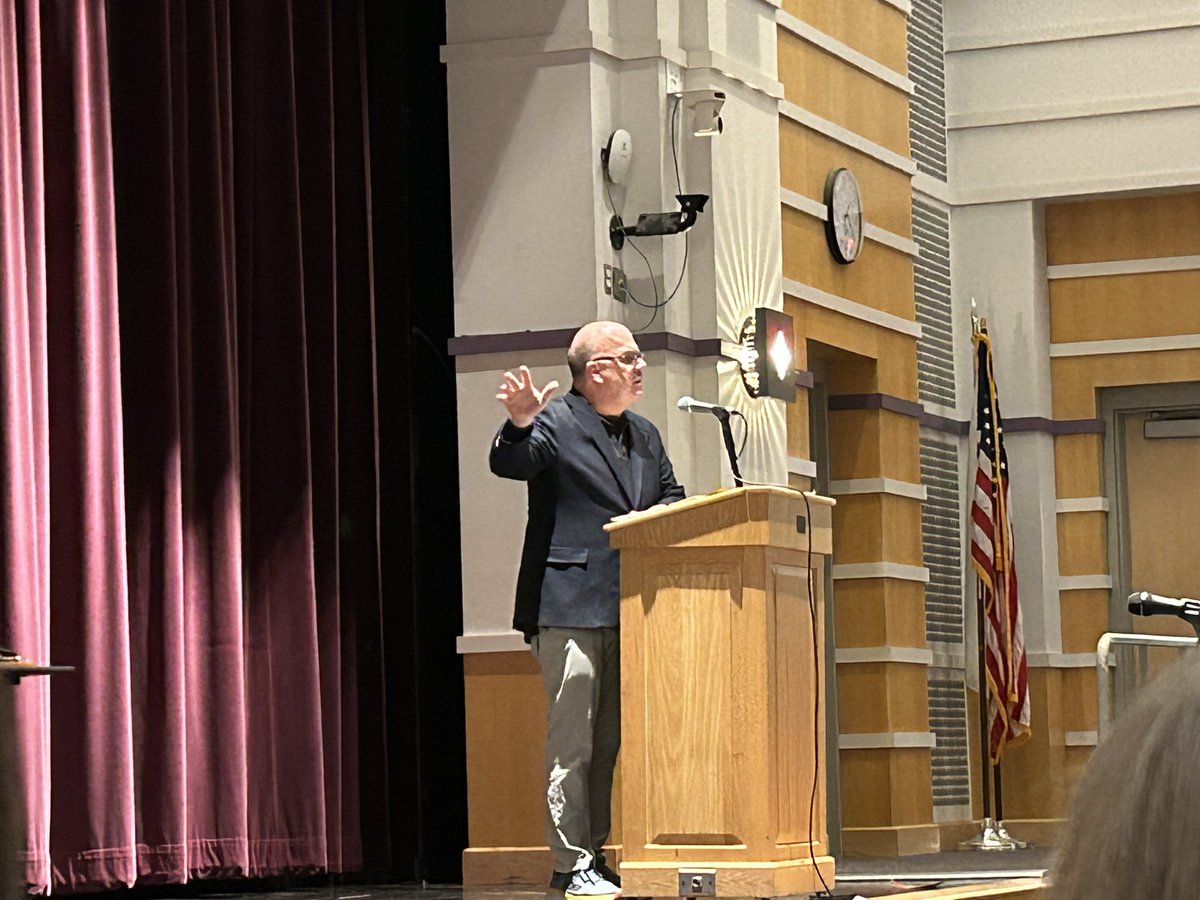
816	646
657	304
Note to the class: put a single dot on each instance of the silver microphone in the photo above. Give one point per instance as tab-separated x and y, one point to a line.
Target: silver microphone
692	405
723	415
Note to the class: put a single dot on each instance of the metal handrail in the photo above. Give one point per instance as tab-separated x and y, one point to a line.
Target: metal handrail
1103	663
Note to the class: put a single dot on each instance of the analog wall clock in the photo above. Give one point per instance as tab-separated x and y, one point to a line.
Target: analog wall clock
844	215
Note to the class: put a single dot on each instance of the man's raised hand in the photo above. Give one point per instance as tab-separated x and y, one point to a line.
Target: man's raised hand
522	400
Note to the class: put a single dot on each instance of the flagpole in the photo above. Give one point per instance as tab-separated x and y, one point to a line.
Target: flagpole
990	836
1004	551
985	762
998	788
1001	831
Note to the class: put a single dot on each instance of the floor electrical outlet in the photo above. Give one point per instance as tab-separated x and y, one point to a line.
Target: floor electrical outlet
697	883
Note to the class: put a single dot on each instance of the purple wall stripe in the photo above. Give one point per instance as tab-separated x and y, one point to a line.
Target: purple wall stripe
560	339
941	423
1055	426
954	426
876	401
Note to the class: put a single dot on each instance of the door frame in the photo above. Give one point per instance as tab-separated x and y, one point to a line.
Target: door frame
1116	405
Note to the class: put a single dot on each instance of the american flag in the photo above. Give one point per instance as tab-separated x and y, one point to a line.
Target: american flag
992	557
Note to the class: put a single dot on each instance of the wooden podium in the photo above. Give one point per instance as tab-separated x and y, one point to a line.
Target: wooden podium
722	667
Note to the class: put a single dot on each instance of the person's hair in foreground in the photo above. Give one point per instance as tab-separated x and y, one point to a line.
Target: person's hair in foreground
1134	828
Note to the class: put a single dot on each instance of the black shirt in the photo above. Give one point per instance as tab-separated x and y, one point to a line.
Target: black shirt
618	429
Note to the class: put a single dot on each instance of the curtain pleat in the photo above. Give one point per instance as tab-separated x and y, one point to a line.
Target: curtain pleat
24	419
183	475
89	626
312	75
284	752
190	487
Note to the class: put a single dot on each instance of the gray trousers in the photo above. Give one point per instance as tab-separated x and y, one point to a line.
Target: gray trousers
581	669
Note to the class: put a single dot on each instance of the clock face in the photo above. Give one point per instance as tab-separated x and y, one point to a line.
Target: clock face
844	222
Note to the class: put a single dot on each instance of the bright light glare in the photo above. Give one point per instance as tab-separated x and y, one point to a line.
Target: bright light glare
780	355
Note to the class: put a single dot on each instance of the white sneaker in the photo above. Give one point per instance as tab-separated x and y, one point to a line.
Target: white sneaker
588	883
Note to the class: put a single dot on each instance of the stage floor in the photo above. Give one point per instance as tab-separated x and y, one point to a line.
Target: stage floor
861	877
888	877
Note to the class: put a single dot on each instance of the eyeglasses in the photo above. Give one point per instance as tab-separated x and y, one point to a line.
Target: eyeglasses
628	358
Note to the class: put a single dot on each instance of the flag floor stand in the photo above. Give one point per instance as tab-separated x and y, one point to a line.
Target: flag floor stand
992	833
992	836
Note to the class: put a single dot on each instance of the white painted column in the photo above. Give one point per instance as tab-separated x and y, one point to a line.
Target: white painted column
998	257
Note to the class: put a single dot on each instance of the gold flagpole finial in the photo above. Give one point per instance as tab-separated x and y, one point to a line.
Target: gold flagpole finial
978	323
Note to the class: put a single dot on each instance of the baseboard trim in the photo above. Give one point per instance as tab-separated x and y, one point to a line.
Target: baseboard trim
515	866
508	866
891	841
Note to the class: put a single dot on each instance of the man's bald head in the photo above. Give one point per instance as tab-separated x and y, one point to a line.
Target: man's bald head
590	340
606	366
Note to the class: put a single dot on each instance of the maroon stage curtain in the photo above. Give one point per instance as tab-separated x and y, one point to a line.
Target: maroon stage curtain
64	517
188	423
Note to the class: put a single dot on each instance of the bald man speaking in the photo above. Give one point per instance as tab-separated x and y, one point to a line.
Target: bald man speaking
586	458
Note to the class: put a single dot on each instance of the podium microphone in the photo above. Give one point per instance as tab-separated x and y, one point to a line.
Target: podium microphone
1144	603
692	405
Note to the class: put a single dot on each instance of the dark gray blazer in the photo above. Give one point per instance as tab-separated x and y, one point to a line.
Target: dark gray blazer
569	576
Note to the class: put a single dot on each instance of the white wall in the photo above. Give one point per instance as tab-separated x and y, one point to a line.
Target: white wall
519	136
970	23
999	258
1071	98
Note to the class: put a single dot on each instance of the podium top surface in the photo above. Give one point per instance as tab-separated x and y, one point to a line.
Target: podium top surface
744	516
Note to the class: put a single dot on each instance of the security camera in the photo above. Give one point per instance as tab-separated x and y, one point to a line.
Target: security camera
705	107
652	224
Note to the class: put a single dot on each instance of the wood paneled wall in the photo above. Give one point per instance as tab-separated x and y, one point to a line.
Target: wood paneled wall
1102	304
886	798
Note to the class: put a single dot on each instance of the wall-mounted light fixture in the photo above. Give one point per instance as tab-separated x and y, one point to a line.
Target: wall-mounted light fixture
768	354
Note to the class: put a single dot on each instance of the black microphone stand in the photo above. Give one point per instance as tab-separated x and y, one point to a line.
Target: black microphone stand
727	433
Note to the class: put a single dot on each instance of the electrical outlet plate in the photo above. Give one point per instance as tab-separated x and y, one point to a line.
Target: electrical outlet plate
697	882
614	283
620	289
